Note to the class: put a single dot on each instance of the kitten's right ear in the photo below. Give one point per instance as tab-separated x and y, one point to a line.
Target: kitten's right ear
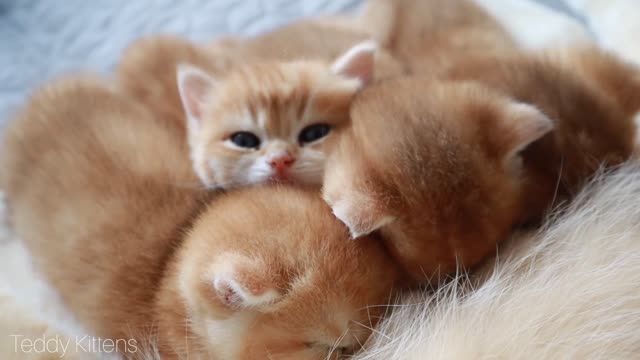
357	209
524	124
194	86
358	62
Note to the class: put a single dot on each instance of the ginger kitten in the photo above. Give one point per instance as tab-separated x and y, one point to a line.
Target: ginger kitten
270	121
97	188
445	169
248	119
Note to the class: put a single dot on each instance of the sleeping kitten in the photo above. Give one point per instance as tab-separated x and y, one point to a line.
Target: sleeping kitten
96	185
270	121
446	175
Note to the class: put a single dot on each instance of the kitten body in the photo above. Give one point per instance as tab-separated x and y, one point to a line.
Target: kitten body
429	33
102	197
310	39
446	175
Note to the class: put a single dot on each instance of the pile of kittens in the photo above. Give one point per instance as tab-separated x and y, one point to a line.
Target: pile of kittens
202	204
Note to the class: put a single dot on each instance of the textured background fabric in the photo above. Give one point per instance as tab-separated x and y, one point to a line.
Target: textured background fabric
40	39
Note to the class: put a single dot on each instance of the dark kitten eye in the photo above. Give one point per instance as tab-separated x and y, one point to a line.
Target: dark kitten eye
245	139
313	132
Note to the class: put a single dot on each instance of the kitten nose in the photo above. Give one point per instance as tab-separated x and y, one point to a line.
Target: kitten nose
282	162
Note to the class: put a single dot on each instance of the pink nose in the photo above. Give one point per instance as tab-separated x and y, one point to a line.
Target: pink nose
282	162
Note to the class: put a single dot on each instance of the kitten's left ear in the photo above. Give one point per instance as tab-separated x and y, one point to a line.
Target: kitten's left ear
525	124
194	86
358	62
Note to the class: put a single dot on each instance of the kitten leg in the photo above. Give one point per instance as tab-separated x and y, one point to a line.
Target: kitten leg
535	26
615	24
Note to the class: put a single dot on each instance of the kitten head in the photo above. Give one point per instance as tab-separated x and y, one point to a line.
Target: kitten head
270	121
270	273
438	174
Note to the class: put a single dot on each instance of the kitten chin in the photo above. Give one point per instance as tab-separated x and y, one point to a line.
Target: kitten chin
102	196
444	177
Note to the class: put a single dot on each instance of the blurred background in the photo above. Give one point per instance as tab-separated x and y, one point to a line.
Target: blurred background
40	39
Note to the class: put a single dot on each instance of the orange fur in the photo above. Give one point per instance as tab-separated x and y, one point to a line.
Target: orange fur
447	175
273	97
276	102
427	34
147	73
104	200
311	39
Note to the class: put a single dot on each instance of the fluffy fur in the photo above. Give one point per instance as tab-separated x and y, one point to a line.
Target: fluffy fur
331	38
100	194
446	175
270	121
570	291
486	138
434	31
147	69
274	86
147	73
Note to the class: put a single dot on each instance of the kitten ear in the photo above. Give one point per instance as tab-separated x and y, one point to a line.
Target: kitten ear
194	85
525	124
359	211
242	283
358	62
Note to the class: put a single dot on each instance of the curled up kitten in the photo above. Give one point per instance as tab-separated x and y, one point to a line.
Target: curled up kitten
444	169
98	193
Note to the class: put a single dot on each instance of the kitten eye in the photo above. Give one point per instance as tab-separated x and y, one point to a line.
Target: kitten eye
245	139
313	132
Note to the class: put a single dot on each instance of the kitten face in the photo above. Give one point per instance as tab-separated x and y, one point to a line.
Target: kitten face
278	289
436	175
270	121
